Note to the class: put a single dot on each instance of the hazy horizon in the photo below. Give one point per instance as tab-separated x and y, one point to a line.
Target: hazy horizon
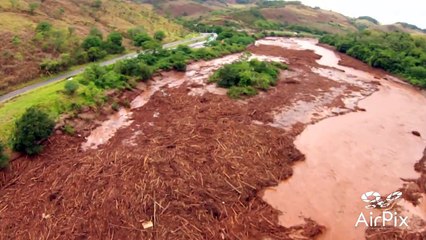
411	11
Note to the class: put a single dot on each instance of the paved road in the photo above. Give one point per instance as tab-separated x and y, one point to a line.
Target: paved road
198	41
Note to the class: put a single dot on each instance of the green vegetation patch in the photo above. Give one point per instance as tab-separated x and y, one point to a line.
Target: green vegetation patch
4	160
247	77
31	129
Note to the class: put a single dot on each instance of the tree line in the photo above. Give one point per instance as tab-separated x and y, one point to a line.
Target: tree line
396	52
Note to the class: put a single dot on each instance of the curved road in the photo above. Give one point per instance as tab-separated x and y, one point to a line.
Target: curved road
199	41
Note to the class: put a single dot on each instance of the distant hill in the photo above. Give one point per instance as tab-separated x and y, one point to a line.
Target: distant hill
71	21
294	13
410	26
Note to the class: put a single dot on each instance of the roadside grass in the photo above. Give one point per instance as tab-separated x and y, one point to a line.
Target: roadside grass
49	97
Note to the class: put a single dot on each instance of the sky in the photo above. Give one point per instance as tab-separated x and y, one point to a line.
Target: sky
386	12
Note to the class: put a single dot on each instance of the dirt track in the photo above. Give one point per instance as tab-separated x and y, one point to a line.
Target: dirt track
196	166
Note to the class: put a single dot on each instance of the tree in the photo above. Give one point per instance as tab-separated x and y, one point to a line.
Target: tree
71	87
140	38
92	74
3	157
96	53
92	41
114	43
152	45
31	130
159	35
43	27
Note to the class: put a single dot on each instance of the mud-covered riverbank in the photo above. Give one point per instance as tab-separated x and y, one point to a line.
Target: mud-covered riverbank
348	155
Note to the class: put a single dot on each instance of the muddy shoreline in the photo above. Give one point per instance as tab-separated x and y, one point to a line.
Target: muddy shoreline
190	160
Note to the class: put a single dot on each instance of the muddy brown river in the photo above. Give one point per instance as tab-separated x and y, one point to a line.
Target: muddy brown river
351	154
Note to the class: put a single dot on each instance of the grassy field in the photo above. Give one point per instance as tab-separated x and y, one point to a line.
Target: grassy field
50	96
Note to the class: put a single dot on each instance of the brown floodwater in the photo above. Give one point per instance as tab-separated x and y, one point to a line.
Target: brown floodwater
103	133
348	155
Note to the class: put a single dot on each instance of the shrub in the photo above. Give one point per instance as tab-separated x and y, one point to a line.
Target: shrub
243	78
91	41
418	72
178	62
44	27
50	66
93	94
71	87
145	71
30	130
184	49
111	79
236	92
140	38
92	74
102	78
4	160
80	56
135	68
204	53
159	35
114	43
68	129
96	53
152	45
66	60
16	40
227	76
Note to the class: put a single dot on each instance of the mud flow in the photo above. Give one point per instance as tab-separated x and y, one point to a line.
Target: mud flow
184	161
351	154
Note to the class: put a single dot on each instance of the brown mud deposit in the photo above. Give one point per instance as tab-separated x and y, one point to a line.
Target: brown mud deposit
191	161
